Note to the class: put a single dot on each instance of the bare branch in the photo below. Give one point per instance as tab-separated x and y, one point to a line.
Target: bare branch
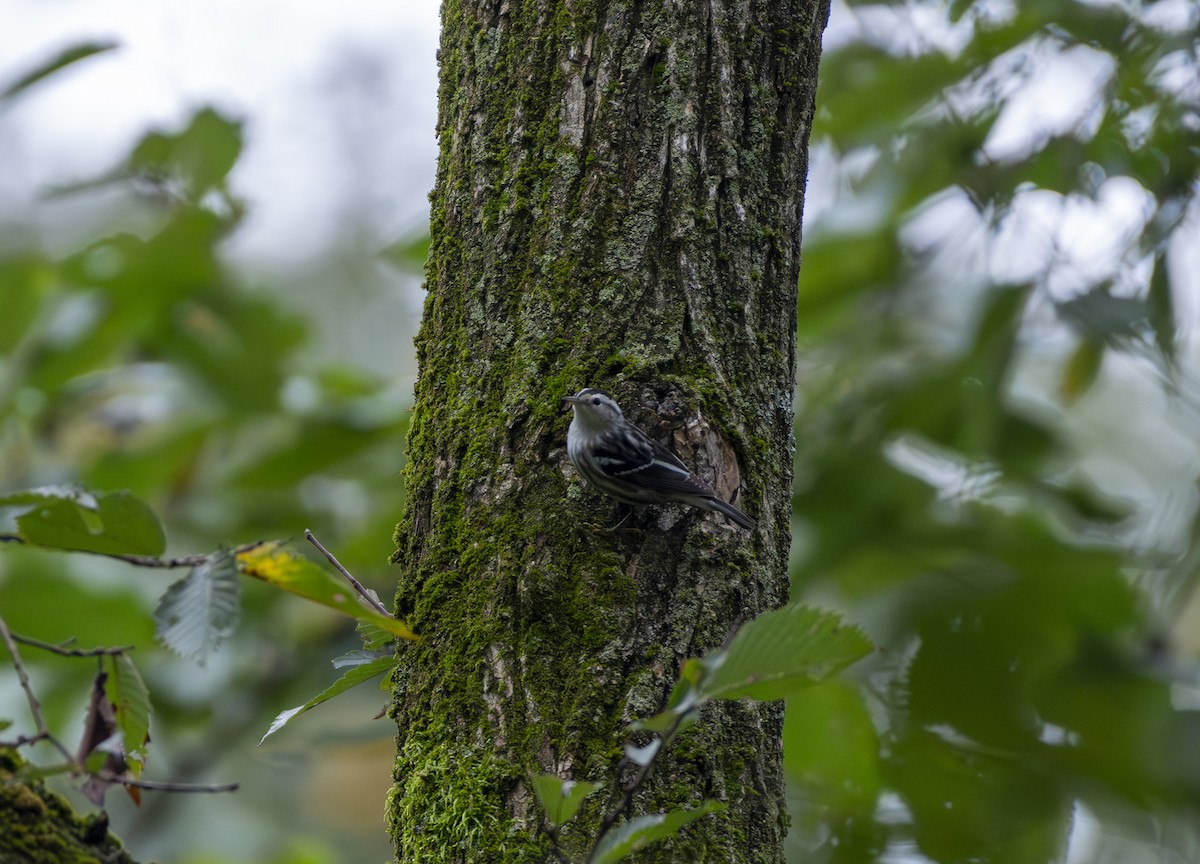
137	560
35	707
358	586
627	792
71	652
109	777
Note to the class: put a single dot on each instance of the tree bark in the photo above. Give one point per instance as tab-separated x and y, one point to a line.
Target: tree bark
39	827
617	205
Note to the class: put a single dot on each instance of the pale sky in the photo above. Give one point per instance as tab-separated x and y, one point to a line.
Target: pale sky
315	82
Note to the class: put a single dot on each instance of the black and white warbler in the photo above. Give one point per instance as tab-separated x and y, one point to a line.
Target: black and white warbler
624	462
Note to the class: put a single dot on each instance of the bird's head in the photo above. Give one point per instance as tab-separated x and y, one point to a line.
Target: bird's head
594	409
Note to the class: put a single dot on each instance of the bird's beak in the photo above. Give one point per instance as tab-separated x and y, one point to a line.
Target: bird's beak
569	399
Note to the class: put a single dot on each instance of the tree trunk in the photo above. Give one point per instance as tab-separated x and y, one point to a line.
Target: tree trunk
617	205
38	826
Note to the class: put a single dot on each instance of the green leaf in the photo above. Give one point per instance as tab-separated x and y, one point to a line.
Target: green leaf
352	678
408	253
26	282
1161	301
560	798
781	650
1100	315
1083	367
113	523
131	702
276	566
684	700
637	833
201	610
201	155
374	637
831	749
61	60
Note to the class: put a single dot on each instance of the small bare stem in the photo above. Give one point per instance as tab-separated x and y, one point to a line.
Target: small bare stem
35	707
630	788
71	652
358	586
166	787
140	560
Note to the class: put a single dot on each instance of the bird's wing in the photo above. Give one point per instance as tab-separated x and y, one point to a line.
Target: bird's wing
648	464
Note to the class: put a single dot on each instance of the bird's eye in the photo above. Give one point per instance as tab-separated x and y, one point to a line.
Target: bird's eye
595	400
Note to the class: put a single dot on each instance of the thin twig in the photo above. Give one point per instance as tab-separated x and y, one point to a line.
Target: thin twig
71	652
630	788
35	707
358	586
552	832
137	560
109	777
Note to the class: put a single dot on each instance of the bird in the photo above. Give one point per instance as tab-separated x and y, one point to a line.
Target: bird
625	463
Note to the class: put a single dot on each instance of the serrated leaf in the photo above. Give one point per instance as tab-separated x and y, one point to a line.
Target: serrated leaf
561	799
61	60
200	611
113	523
352	678
275	565
781	650
131	703
637	833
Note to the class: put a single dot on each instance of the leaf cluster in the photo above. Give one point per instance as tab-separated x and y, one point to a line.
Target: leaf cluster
771	657
135	360
960	489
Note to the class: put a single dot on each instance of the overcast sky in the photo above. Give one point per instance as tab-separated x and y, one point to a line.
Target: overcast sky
319	83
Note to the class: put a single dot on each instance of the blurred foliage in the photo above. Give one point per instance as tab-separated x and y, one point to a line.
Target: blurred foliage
1034	695
133	358
1028	581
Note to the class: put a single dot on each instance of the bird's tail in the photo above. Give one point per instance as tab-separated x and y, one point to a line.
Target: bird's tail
729	510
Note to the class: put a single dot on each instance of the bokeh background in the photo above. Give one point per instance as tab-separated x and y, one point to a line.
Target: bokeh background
211	236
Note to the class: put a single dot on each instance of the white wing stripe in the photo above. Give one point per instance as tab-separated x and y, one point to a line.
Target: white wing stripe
657	463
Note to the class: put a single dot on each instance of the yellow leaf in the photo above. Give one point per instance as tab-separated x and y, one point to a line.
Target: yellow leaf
274	564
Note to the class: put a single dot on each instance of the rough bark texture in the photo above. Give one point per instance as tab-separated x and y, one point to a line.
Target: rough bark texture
617	205
39	827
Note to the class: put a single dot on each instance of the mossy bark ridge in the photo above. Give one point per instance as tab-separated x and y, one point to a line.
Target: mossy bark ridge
617	205
38	826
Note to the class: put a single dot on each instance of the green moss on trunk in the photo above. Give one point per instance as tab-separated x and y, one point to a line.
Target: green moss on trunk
617	205
39	827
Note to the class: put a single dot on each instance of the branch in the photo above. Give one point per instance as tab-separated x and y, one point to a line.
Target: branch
630	788
552	833
75	765
109	777
71	652
137	560
35	707
358	586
